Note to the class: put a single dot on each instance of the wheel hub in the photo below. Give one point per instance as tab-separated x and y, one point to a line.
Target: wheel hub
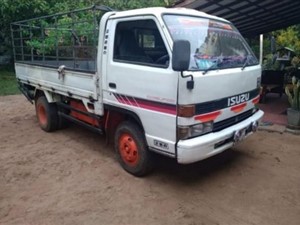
128	149
42	114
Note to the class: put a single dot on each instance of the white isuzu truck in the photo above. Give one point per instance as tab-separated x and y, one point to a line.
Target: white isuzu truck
178	82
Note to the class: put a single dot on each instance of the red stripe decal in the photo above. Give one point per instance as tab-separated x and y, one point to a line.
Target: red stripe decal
149	105
208	116
238	108
157	107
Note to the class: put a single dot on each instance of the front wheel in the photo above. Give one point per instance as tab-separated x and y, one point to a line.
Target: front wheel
131	149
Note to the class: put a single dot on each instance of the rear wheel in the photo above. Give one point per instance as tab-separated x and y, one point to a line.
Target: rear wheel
131	149
46	114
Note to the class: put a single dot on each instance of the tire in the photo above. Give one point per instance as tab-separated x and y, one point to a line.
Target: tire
131	149
46	114
62	122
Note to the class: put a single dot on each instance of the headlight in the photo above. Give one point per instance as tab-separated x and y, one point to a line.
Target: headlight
197	129
185	132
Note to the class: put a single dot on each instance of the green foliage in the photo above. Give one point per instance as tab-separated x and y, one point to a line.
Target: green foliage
8	83
270	64
289	37
48	37
294	97
254	44
77	29
16	10
133	4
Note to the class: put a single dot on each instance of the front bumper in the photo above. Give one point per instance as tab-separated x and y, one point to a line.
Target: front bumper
196	149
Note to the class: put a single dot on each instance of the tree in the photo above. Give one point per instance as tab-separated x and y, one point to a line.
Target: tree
289	37
16	10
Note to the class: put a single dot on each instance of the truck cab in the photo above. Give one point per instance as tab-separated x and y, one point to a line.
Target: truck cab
225	76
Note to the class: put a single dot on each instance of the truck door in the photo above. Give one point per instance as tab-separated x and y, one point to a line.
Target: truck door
139	78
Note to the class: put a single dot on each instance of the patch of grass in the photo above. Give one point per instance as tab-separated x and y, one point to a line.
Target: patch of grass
8	82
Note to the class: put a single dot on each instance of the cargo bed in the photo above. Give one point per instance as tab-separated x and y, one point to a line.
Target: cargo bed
73	83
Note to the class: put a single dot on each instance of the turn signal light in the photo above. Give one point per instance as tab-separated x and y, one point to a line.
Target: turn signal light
186	110
256	100
183	133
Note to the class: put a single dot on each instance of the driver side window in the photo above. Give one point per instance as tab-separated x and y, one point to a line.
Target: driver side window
140	42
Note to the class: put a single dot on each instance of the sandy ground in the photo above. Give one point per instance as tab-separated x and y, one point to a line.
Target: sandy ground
72	177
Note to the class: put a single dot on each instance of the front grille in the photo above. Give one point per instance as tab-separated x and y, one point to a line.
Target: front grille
231	121
219	104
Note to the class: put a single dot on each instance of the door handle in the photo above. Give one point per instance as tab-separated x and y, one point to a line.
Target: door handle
112	85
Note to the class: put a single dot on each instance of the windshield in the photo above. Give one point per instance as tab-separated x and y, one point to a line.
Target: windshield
214	44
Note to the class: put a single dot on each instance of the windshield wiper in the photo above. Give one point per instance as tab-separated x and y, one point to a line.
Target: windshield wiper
246	63
218	61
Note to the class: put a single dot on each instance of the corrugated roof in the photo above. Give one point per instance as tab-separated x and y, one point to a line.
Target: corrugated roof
251	17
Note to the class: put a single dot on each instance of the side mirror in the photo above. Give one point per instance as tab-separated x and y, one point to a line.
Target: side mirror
181	55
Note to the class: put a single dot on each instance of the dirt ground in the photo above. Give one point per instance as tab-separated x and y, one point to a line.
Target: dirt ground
72	177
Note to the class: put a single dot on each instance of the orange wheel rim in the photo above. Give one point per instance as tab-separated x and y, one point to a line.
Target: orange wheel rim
42	114
128	149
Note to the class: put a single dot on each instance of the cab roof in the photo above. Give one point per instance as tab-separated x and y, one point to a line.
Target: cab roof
158	11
